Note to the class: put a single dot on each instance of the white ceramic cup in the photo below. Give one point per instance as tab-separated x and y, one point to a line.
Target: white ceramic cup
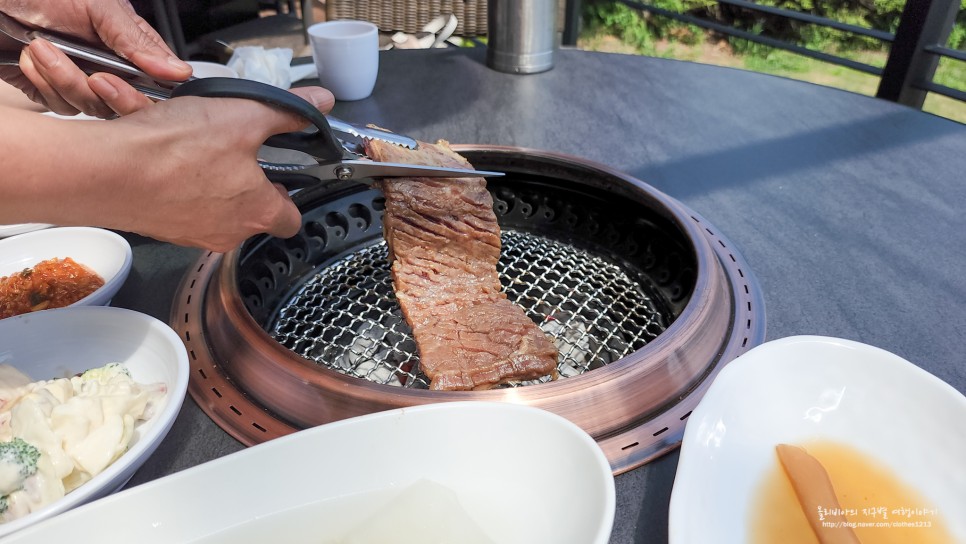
346	54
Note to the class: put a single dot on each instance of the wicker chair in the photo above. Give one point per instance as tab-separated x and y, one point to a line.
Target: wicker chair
410	16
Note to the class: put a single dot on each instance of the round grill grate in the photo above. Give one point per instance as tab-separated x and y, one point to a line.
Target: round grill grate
646	300
346	317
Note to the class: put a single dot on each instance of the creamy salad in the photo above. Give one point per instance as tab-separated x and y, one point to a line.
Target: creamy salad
57	434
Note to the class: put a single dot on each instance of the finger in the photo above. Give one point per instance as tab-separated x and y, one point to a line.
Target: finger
66	79
42	90
152	34
321	98
288	220
144	25
118	95
121	29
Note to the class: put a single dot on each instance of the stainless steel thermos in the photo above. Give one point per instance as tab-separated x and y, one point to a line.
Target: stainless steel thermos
521	35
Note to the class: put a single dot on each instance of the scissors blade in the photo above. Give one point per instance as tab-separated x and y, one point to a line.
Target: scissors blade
370	133
365	171
354	169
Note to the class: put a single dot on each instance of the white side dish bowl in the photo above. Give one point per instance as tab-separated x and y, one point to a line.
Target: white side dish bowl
202	69
804	388
522	474
66	341
12	230
105	252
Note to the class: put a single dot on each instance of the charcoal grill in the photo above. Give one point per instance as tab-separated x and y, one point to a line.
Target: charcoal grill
645	300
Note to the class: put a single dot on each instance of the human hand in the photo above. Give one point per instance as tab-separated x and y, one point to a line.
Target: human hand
49	77
183	171
205	187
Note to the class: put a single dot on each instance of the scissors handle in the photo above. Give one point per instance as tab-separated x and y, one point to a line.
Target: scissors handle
320	144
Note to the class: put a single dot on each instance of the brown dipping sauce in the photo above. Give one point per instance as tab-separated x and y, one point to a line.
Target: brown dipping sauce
53	283
882	508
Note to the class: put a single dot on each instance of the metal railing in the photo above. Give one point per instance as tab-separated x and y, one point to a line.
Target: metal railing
916	47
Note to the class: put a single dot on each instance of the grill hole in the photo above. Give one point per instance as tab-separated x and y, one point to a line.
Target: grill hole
279	260
315	230
337	223
362	216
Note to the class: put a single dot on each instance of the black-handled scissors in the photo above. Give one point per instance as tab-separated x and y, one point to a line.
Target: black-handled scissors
328	152
331	157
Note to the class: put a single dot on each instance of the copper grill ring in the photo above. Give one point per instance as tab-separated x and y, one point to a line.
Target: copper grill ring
634	407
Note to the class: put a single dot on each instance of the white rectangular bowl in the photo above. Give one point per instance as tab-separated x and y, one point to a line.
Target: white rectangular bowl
522	474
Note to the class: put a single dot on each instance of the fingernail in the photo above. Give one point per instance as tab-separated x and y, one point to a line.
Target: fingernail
44	52
312	98
103	87
178	63
319	97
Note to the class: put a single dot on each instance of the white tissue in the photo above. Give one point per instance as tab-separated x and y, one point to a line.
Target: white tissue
272	66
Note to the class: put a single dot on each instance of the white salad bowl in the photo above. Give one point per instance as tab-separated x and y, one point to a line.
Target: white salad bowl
809	388
105	252
67	341
523	475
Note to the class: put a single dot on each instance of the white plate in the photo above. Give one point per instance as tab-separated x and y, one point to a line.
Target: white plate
804	388
63	342
524	475
105	252
13	230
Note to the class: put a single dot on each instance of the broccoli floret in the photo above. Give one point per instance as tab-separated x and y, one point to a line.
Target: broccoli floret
106	372
20	454
18	461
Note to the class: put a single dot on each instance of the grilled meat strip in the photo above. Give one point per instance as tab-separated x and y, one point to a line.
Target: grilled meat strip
444	244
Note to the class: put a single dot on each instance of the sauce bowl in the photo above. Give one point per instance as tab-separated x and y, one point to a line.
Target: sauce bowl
806	389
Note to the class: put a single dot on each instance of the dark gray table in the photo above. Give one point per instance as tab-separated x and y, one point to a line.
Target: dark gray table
850	210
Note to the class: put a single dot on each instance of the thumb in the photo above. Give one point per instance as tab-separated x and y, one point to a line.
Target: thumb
319	97
288	219
131	37
285	121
